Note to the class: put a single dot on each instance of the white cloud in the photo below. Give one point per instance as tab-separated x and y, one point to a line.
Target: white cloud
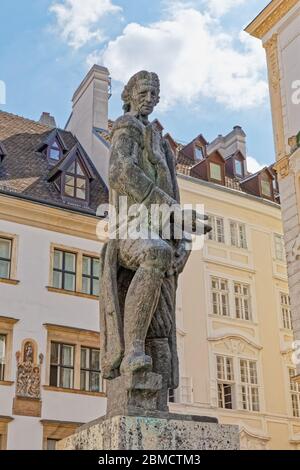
220	7
78	20
253	165
194	58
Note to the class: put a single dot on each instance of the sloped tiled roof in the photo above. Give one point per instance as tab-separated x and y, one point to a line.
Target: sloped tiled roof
24	171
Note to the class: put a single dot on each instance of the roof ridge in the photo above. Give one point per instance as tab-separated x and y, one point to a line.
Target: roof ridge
43	126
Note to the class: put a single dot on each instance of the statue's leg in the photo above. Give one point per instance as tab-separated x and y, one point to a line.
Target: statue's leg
155	258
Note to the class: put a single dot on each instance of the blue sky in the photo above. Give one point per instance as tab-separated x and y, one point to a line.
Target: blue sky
212	77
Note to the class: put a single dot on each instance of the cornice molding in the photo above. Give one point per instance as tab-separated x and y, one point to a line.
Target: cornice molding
269	17
53	219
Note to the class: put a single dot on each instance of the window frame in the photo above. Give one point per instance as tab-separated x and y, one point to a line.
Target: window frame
88	371
240	243
14	240
286	312
4	358
80	253
279	247
7	329
219	292
93	279
229	382
60	365
64	271
57	430
249	386
52	146
241	162
77	338
241	297
76	176
219	180
213	235
294	392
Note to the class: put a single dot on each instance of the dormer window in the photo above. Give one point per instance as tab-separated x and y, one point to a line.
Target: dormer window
75	183
215	171
239	168
54	151
198	153
266	189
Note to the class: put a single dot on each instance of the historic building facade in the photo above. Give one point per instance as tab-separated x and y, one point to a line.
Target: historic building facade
234	322
278	26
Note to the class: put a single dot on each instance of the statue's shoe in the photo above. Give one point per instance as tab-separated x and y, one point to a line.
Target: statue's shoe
136	362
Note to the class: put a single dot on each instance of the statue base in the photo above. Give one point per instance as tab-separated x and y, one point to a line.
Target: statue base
172	432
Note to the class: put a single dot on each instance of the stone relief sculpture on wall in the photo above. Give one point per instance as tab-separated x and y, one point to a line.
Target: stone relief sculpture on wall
28	384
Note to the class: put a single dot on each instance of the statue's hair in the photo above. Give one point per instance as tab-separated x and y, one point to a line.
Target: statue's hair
142	75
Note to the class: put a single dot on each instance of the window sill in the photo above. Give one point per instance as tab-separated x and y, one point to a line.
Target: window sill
74	293
12	282
6	383
50	388
233	320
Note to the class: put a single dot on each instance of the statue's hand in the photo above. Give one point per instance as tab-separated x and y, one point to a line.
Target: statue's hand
192	222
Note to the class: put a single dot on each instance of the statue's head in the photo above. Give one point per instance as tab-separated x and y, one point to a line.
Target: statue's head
141	94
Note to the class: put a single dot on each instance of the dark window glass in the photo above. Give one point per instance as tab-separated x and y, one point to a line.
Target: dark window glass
90	379
64	270
62	365
90	275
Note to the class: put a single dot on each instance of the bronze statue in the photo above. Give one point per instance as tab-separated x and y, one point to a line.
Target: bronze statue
139	276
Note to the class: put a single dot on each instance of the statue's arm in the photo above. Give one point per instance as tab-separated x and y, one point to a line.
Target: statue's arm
127	177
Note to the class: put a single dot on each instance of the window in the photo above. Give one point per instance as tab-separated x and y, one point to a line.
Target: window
75	182
75	271
62	365
266	188
286	314
64	270
90	275
295	393
73	360
215	171
172	395
217	232
2	356
249	385
220	299
199	153
238	235
242	301
279	247
239	168
5	258
90	370
54	152
225	382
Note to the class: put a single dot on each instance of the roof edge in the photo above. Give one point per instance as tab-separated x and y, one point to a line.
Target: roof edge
269	16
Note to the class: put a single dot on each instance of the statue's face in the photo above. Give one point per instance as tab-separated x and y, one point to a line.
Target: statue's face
145	97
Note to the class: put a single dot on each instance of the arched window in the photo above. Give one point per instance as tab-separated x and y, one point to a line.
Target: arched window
75	184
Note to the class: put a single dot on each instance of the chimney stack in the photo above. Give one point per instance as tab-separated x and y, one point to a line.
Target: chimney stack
47	120
90	113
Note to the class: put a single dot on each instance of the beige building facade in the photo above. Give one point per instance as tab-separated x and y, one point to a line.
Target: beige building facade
278	27
236	325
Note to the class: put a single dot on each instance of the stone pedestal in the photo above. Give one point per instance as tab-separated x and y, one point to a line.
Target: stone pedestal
175	432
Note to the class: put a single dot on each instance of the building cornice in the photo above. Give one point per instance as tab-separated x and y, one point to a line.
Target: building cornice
49	218
269	17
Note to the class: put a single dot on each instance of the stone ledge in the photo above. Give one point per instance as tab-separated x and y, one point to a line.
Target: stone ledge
149	433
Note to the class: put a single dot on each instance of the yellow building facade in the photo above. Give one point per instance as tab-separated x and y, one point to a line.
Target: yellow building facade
234	323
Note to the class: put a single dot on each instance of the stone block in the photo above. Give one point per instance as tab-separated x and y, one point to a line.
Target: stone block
149	433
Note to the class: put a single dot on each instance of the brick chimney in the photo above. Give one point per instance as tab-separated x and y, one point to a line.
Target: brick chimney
89	114
47	120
